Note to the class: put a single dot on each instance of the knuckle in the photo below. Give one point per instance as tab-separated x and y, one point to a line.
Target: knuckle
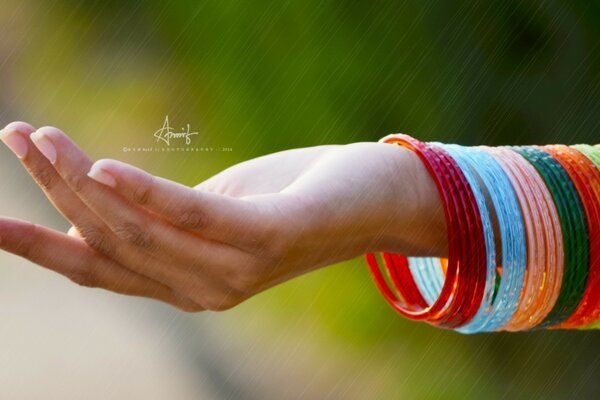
97	240
245	282
223	303
193	219
220	298
134	234
85	277
26	247
142	194
45	177
75	182
270	242
273	250
189	307
277	250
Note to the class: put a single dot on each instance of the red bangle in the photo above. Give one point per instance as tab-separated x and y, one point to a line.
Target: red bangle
586	179
464	283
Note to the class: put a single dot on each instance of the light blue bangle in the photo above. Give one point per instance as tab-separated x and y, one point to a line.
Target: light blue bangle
428	276
494	195
500	302
427	272
512	235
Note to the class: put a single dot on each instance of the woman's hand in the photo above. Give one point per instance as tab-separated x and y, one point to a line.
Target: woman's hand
252	226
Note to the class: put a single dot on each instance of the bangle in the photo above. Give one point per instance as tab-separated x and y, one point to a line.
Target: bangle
591	152
574	231
501	296
461	294
427	274
582	162
545	259
507	276
523	240
584	176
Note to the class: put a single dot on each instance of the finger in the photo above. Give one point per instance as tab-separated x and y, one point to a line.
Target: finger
79	263
16	136
74	232
219	217
95	232
40	169
134	226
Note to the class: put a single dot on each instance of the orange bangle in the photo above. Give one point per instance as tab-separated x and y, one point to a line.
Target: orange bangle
586	178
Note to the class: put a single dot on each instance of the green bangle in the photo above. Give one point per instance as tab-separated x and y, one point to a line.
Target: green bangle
591	152
574	230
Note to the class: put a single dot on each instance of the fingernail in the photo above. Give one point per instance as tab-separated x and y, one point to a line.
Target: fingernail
100	175
44	145
15	142
74	232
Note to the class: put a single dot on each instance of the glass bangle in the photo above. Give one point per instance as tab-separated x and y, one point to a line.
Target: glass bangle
523	240
454	306
574	231
586	177
544	239
479	318
510	270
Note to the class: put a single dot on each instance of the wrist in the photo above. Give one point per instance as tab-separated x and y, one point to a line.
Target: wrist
413	217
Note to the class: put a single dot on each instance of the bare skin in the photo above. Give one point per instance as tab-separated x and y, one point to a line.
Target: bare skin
246	229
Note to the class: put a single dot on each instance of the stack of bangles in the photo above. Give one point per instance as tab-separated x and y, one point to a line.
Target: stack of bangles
523	240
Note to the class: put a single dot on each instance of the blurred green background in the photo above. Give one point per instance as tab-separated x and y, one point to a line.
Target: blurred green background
256	77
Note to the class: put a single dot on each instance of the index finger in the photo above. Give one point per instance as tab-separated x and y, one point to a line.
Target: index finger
223	218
